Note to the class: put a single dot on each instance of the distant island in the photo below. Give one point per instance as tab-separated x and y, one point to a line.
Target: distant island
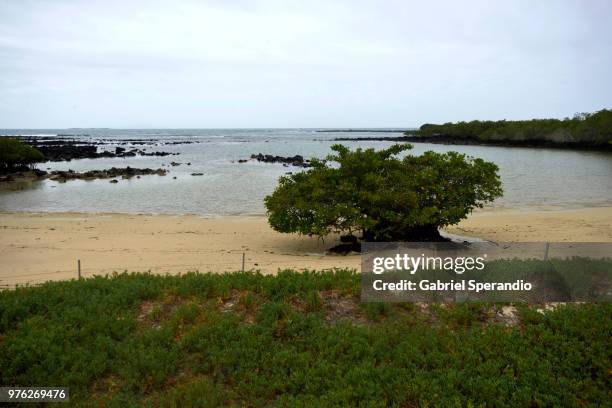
583	131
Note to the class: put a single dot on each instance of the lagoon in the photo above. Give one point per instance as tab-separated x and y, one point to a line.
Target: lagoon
531	177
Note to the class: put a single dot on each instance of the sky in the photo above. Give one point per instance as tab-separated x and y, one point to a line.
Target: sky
240	64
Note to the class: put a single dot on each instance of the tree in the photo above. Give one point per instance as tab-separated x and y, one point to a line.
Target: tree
383	197
592	130
14	154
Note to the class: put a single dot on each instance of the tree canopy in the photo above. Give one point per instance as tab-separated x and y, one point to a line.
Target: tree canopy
383	197
14	154
584	129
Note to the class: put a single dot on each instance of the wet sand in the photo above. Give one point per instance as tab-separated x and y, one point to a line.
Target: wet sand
38	247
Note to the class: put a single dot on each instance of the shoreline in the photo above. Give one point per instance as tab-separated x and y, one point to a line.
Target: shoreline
463	141
525	209
36	247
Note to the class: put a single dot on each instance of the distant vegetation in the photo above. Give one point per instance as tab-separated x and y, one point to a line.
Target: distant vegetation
583	130
15	155
383	197
295	339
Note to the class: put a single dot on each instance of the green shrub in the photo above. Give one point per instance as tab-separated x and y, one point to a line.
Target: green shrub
383	197
14	154
87	335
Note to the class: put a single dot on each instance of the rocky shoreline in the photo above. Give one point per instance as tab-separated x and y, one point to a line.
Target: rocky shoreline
416	139
61	148
63	176
372	139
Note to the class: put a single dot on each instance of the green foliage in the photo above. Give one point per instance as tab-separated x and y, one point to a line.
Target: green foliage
382	196
377	310
90	335
202	393
583	129
14	154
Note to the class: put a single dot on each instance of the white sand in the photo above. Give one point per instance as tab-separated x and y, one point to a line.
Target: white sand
39	247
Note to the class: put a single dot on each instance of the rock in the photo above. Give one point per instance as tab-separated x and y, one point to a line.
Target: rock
197	174
62	149
242	161
296	160
371	139
175	164
345	249
113	181
113	172
160	154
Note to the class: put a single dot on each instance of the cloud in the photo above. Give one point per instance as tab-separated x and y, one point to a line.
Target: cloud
302	64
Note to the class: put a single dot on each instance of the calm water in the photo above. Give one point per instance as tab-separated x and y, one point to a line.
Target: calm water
531	177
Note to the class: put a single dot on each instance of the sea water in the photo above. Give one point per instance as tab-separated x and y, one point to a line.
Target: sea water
531	177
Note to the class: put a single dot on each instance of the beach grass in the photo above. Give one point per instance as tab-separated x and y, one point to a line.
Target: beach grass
295	339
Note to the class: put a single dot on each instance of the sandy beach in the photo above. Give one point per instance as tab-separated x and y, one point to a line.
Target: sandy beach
39	247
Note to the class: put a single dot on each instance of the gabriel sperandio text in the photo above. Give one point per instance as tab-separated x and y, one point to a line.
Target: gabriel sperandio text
461	285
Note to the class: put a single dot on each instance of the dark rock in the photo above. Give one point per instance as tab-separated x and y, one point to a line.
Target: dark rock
296	160
62	149
372	139
345	249
159	154
113	181
197	174
23	174
113	172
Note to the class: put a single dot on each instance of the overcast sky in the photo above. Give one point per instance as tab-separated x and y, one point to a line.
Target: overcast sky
299	63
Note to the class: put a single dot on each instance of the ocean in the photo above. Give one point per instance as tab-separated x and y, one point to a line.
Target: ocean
531	177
